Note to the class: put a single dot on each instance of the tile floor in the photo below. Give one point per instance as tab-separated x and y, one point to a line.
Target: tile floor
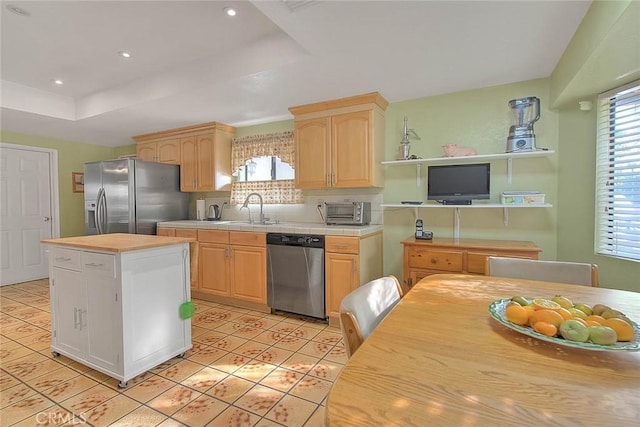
245	369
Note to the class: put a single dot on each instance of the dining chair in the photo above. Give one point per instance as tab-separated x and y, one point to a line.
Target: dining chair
576	273
365	307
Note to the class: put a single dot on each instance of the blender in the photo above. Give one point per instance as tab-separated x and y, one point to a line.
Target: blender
525	112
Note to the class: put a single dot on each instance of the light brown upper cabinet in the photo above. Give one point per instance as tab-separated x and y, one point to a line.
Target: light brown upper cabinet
163	151
340	143
202	151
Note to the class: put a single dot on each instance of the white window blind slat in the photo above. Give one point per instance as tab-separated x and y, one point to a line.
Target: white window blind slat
618	173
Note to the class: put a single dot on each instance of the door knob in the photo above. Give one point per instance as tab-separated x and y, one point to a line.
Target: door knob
46	218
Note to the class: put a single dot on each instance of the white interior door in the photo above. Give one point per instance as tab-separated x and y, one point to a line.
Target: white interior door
25	213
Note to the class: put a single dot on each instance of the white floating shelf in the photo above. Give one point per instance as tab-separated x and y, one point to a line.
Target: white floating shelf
498	156
477	206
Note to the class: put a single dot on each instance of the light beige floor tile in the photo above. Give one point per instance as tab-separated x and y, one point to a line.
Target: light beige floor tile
291	343
259	399
96	375
254	370
311	388
26	313
229	343
15	394
200	411
247	332
53	416
210	337
316	349
291	411
285	328
337	354
274	355
204	379
26	408
13	352
165	365
107	412
149	388
305	331
76	385
171	423
318	418
181	370
328	337
208	355
326	370
7	381
52	378
282	379
141	417
235	417
88	399
251	349
230	389
231	362
300	362
30	366
21	331
265	422
174	399
269	337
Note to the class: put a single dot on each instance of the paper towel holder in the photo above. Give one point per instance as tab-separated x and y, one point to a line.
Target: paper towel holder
201	213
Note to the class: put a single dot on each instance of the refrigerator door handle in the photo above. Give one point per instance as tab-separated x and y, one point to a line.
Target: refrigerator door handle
98	211
103	213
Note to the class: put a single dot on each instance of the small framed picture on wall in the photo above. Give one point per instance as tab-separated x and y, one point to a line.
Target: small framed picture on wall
77	179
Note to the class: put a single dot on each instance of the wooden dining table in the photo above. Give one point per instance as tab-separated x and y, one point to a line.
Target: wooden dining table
440	359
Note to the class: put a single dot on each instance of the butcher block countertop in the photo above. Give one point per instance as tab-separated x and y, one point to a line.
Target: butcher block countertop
117	242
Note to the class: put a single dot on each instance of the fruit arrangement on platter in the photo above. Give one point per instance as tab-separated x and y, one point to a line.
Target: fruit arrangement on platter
560	317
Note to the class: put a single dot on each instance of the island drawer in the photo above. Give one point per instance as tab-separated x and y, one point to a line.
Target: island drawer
100	264
67	258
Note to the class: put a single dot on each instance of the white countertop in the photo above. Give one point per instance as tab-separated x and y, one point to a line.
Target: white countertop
283	227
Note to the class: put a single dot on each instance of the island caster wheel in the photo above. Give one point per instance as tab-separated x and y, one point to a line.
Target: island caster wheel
55	354
122	384
180	356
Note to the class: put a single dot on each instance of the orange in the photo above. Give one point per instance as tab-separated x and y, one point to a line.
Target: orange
622	328
566	314
548	316
517	314
592	323
546	329
541	304
595	318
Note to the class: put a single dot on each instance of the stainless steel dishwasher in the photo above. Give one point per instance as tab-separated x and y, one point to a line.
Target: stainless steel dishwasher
295	273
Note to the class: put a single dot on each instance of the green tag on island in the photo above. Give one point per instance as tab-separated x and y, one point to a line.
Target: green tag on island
187	310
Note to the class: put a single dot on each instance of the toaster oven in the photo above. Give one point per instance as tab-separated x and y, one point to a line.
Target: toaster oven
351	213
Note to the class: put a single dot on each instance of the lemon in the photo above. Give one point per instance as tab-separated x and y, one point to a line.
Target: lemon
563	301
541	303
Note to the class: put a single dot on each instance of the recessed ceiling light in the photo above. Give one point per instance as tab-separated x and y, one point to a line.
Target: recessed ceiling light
58	82
17	10
230	11
124	54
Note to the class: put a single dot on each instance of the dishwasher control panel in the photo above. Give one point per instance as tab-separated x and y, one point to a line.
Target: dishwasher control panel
306	240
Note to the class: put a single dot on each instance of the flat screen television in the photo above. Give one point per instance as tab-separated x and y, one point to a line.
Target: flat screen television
458	184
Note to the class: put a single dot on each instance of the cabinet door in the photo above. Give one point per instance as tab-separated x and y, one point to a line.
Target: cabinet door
102	322
68	295
146	151
214	269
188	165
206	164
312	153
249	273
169	232
352	150
168	151
342	276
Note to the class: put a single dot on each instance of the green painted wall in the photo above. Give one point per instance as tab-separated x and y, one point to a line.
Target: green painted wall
603	54
479	119
71	158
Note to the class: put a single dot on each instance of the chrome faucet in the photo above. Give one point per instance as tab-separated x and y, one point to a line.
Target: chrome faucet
246	205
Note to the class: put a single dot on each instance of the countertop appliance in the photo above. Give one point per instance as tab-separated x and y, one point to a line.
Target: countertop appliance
348	213
295	274
525	112
131	196
215	212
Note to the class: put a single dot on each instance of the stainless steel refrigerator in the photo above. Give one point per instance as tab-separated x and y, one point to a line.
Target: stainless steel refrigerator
131	196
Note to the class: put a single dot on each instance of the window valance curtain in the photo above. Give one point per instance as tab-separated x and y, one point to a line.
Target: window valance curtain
273	192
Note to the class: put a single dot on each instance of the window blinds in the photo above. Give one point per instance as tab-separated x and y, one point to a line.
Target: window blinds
618	173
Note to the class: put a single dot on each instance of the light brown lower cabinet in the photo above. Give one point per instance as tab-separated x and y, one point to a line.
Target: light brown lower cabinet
467	256
349	262
233	266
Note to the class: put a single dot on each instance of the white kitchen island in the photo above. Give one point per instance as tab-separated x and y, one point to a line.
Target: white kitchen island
115	301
